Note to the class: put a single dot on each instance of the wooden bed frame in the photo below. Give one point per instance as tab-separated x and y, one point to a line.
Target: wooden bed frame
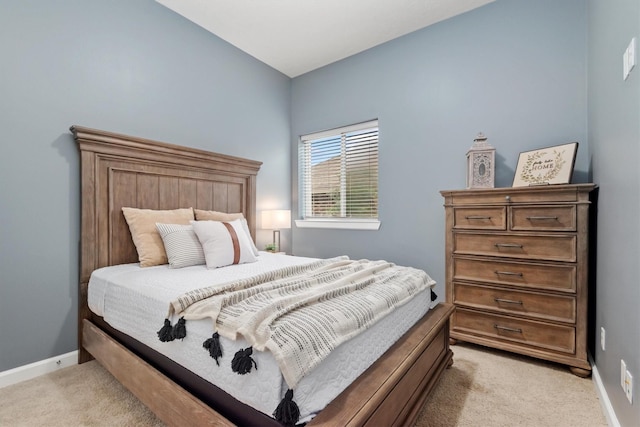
119	170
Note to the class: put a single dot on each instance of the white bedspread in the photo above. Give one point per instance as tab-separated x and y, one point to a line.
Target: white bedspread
134	300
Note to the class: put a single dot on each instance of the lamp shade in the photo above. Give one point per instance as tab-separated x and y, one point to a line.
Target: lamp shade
276	219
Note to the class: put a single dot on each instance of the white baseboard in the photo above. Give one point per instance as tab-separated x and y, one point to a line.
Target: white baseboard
607	408
32	370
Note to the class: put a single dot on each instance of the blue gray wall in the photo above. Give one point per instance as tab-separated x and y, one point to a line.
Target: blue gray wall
515	70
133	67
614	137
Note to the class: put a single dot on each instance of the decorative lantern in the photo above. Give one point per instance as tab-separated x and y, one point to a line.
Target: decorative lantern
481	168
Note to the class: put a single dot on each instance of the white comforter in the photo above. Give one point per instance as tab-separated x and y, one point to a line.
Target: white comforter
134	300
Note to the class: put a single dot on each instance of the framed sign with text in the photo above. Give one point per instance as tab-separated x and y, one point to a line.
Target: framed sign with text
551	165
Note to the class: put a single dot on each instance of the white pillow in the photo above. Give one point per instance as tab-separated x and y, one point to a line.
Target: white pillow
224	243
181	245
202	215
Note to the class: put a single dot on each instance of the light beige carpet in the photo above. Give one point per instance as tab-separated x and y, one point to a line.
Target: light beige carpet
483	388
80	395
487	387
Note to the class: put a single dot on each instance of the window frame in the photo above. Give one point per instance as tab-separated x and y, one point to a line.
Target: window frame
333	222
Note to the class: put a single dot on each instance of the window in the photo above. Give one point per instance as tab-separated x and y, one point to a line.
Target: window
338	177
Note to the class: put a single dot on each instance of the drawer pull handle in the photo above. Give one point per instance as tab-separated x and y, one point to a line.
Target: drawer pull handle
508	245
542	218
477	217
507	329
508	273
507	301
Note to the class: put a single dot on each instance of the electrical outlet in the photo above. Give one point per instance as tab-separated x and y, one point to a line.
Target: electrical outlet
629	386
602	334
623	375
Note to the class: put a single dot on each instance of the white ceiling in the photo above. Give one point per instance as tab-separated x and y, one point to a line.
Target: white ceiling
297	36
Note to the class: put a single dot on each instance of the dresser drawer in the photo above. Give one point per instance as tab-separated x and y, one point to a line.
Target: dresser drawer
504	328
541	306
480	218
541	247
555	277
543	218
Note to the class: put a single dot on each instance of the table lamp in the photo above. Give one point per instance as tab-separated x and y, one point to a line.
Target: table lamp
276	220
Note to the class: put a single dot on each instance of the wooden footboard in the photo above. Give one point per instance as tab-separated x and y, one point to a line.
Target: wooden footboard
169	401
391	392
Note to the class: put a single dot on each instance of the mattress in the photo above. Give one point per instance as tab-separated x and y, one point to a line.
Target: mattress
135	301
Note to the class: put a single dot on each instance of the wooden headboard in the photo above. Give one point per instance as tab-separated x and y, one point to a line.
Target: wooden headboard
119	170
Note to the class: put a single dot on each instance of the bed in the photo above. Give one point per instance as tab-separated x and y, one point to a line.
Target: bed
121	171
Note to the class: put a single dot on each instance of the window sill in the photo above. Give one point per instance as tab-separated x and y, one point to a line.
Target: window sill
352	224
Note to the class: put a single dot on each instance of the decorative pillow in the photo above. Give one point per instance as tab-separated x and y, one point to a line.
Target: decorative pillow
223	216
224	243
142	225
181	245
202	215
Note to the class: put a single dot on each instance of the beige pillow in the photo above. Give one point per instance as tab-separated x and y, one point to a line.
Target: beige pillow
142	225
202	215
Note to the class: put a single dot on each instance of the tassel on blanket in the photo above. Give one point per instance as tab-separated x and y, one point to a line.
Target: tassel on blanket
180	330
165	334
287	411
242	361
213	345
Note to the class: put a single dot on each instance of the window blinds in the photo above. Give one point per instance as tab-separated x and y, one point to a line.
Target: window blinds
339	173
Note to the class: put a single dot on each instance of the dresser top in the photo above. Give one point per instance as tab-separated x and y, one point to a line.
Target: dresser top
540	193
586	187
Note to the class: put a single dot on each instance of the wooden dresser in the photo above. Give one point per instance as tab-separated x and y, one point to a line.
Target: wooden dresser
517	270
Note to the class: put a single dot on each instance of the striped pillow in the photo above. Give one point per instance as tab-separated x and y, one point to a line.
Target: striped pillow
224	243
181	245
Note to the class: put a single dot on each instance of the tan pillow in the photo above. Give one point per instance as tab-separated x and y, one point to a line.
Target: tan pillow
202	215
142	225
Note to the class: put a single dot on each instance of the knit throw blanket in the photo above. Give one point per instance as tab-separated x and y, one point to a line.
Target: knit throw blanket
300	313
